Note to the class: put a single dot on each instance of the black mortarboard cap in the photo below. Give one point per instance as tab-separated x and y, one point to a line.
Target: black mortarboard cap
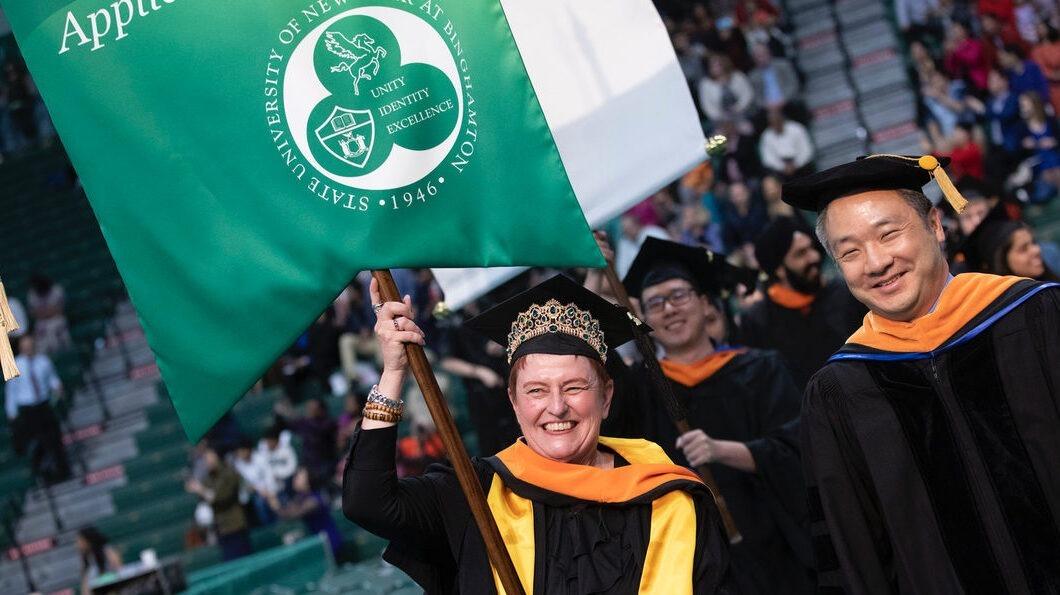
578	322
873	172
660	260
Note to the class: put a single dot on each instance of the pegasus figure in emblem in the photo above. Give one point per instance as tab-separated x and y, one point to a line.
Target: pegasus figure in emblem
344	48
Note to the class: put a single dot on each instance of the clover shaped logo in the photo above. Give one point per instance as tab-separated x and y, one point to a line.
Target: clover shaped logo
375	101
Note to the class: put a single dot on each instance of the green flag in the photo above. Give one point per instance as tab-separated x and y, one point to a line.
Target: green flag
246	159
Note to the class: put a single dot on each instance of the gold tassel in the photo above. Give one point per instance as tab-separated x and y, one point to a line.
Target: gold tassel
953	196
7	324
5	311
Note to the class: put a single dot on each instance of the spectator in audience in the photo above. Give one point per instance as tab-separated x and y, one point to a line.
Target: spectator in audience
726	94
21	105
723	38
774	79
304	502
18	312
349	420
1027	19
98	557
357	346
740	162
771	193
996	34
220	489
481	366
764	28
979	204
317	430
698	229
690	56
1007	247
966	58
1040	137
35	428
47	306
941	98
745	217
634	232
1024	75
323	337
1047	55
751	12
258	481
963	149
917	19
275	447
786	147
1002	113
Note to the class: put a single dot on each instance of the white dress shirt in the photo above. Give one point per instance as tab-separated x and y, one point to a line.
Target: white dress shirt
35	386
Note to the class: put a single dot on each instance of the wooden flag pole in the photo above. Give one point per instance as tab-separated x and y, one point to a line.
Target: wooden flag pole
454	446
673	407
8	324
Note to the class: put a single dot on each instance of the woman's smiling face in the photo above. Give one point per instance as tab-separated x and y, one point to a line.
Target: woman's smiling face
560	402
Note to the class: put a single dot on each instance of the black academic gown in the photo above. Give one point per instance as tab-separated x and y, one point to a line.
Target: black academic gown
941	474
582	547
752	399
804	339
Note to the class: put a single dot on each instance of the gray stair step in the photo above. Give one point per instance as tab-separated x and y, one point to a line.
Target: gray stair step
827	91
840	153
796	6
880	77
812	17
905	145
822	59
854	12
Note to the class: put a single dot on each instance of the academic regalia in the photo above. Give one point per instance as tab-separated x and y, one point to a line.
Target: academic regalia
804	335
738	394
749	397
930	446
931	452
646	525
805	328
573	528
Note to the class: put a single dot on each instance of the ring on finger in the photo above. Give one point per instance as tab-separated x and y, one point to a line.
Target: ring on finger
397	326
377	307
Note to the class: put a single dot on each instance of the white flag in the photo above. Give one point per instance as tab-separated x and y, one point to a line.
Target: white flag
620	111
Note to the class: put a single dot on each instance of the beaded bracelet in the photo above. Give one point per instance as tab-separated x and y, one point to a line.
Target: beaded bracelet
380	415
383	409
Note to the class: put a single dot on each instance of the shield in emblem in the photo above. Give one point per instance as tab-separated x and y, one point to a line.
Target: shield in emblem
348	135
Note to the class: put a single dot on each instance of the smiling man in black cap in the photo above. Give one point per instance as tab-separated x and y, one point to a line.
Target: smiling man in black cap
742	406
802	317
930	439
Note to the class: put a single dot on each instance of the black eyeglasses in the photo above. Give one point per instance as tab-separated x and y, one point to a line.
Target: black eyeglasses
677	297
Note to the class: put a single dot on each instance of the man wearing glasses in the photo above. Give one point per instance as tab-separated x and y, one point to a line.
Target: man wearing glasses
743	407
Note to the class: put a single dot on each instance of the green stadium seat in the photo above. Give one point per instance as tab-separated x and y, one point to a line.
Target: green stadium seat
200	558
149	516
161	436
149	490
166	542
158	462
